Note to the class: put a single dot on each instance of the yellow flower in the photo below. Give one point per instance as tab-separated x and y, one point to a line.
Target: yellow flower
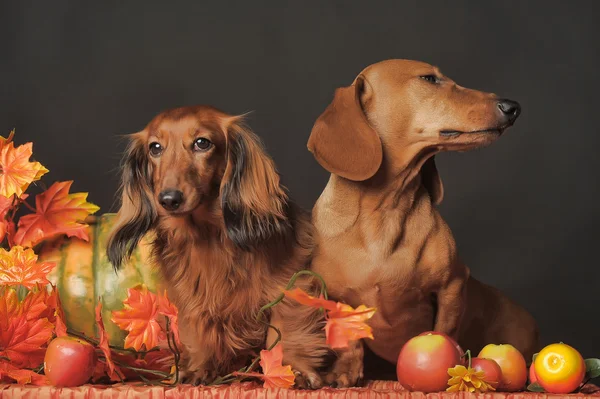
468	380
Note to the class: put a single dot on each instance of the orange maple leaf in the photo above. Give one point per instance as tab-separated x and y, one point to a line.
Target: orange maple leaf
19	266
4	141
22	337
37	305
348	324
7	226
16	171
43	303
344	323
6	205
57	212
21	376
166	308
60	328
303	298
274	373
113	372
139	317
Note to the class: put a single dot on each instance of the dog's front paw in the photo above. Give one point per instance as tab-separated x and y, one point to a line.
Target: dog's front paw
347	370
197	377
307	379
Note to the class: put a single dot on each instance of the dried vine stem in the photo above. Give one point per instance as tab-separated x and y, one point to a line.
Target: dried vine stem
289	286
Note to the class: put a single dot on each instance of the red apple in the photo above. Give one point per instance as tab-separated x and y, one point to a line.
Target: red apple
460	350
491	369
511	362
69	362
424	362
532	377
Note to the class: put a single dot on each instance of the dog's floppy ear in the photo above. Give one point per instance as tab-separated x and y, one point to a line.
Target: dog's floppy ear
137	214
432	181
254	204
342	141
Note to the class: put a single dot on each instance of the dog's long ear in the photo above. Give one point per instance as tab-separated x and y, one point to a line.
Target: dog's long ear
342	140
432	181
255	205
137	213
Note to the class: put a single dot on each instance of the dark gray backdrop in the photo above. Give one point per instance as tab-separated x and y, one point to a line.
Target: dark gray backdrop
76	75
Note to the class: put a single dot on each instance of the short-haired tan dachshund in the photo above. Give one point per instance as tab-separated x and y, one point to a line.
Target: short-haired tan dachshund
380	239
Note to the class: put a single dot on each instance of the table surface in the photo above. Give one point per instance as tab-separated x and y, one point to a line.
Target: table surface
373	389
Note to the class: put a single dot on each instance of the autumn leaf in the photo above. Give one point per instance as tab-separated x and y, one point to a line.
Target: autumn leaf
5	141
22	342
167	309
344	323
9	307
19	266
57	212
37	305
157	360
23	333
303	298
139	318
60	328
113	373
274	373
21	376
347	324
16	171
6	205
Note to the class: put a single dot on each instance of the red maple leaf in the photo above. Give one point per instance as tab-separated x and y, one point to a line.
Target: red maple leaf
57	212
113	372
16	171
57	316
23	332
24	340
37	305
19	266
344	323
21	376
139	317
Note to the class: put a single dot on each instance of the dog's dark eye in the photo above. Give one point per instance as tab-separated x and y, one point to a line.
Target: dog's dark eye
202	144
431	78
155	149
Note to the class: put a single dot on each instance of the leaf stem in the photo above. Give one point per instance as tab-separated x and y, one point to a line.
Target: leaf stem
468	355
164	376
113	347
32	209
289	286
173	347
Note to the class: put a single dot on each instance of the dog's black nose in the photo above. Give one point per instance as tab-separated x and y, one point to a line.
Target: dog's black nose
170	199
510	109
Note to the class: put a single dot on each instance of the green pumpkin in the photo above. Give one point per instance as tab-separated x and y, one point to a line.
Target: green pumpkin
83	274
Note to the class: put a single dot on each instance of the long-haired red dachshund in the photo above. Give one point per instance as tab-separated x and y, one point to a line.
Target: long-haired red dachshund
228	239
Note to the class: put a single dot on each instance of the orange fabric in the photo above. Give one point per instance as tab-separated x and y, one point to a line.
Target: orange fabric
375	389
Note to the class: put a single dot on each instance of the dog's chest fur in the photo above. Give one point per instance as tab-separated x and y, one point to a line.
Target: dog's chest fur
382	255
218	291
